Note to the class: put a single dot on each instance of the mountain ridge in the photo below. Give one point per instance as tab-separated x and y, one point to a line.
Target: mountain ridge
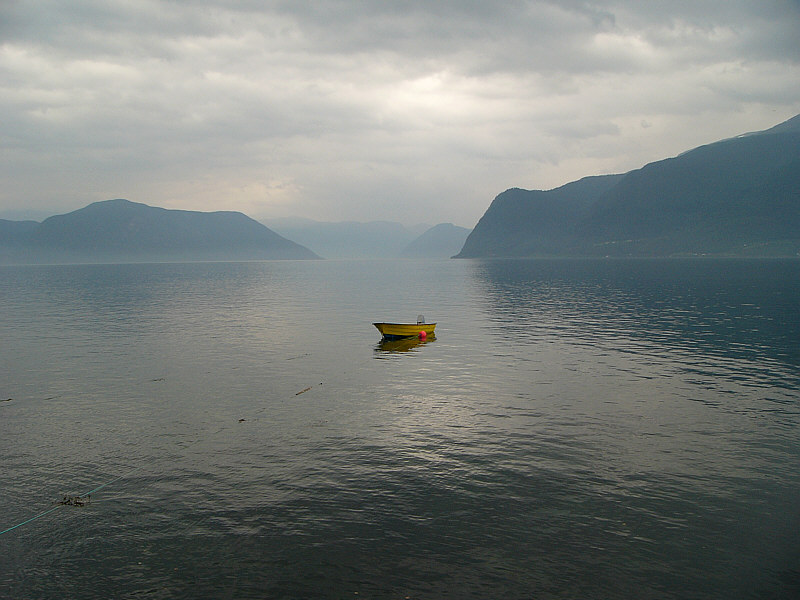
123	231
440	241
738	196
349	239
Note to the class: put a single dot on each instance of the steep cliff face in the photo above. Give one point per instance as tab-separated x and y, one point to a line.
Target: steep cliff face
738	196
528	223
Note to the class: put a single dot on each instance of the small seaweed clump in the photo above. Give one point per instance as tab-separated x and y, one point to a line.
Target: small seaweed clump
76	500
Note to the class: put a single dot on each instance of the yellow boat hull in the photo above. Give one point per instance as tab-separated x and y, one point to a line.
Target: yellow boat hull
404	330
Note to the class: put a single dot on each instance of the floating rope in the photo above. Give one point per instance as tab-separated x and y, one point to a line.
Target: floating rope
39	516
80	500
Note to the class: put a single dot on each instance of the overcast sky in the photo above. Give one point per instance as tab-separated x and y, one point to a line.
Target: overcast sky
418	111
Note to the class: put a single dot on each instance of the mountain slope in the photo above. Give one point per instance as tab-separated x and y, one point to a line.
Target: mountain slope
120	230
347	239
525	223
440	241
739	196
12	231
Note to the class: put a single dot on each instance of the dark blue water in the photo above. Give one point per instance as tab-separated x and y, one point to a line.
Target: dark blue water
577	429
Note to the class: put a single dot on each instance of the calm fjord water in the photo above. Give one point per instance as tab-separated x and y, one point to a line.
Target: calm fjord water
577	429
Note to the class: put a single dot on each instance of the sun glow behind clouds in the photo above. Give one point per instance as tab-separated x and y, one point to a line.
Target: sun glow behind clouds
343	109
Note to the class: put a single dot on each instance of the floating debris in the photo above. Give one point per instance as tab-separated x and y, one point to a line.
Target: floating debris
242	420
9	400
76	500
305	390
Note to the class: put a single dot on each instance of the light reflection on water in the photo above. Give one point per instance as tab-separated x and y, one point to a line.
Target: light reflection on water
578	428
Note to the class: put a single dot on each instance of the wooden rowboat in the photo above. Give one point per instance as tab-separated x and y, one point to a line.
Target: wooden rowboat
395	331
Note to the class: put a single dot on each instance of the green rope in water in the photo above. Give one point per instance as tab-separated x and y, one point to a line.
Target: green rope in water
128	474
89	493
47	512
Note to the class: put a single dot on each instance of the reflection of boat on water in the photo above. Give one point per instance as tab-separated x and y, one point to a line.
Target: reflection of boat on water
395	331
401	344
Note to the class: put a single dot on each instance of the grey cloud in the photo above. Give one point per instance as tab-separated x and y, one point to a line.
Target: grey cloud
316	104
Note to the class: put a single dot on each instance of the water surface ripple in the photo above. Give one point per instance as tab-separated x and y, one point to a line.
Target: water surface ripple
597	429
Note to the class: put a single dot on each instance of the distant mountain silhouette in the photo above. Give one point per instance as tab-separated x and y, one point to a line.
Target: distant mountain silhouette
739	196
440	241
124	231
348	239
